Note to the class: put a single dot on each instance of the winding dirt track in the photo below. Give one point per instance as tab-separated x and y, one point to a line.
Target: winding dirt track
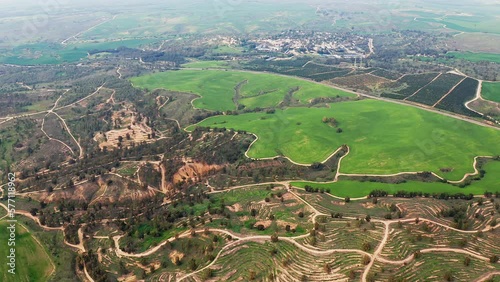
241	239
375	256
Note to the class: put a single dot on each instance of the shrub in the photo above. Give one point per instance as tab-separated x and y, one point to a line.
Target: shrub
494	259
366	260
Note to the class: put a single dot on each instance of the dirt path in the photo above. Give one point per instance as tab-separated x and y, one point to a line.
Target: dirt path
64	42
87	275
316	212
284	183
337	173
162	105
111	99
163	171
259	238
291	240
477	97
7	119
100	196
377	252
51	111
476	171
119	73
83	99
371	47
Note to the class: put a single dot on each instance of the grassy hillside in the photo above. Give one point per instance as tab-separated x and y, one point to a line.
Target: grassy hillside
53	53
32	262
216	88
384	138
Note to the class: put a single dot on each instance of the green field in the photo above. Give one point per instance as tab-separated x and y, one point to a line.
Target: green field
491	91
225	49
51	53
203	17
216	88
384	138
475	57
355	189
207	64
466	24
32	262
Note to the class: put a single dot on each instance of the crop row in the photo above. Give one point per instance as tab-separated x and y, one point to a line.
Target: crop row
408	85
437	89
455	101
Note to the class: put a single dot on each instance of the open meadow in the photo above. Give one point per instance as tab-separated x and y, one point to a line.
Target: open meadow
491	91
380	140
53	53
32	261
218	88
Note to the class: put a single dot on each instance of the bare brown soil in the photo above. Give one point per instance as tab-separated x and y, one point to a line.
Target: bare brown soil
193	171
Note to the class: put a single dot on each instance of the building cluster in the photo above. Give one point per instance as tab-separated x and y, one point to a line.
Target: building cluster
321	43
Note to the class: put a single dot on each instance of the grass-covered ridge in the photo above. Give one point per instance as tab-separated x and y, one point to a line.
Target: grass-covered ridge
491	91
384	138
217	88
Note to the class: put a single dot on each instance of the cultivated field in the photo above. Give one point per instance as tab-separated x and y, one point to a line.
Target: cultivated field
218	88
408	85
475	57
32	261
52	53
455	101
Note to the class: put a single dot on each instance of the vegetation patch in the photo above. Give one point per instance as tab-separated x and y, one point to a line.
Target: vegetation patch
475	57
408	85
217	88
430	94
32	261
455	101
